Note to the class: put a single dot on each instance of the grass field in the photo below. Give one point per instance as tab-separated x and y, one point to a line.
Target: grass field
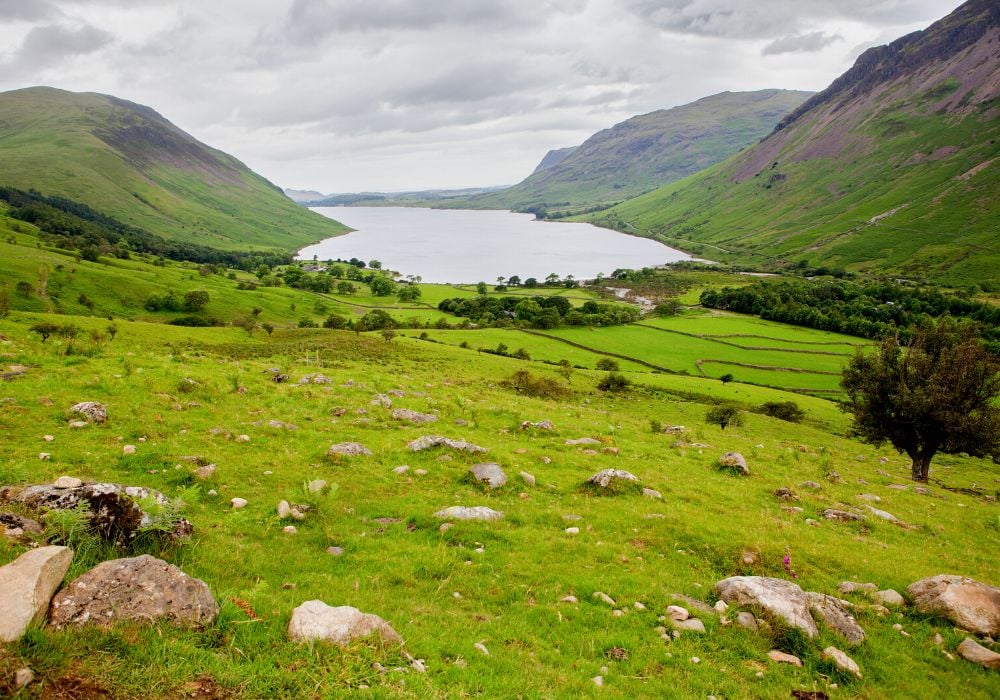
509	575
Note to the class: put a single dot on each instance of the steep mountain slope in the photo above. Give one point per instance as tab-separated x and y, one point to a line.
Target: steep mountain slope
127	161
894	168
647	151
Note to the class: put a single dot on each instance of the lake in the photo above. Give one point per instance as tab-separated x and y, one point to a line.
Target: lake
459	245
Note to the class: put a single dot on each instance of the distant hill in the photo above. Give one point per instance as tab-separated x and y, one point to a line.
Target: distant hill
894	168
417	198
646	151
303	195
127	161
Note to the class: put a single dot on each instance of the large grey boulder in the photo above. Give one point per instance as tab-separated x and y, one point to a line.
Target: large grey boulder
970	604
736	462
91	411
141	588
489	474
428	441
836	614
614	479
114	510
780	599
314	620
469	513
26	587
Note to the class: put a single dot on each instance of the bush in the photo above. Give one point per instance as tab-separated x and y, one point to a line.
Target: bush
724	415
606	364
528	384
194	321
726	378
307	323
614	382
334	321
783	410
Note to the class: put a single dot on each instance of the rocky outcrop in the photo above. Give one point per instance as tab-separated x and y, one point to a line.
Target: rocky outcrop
91	411
428	441
782	600
26	587
140	588
114	510
314	620
970	604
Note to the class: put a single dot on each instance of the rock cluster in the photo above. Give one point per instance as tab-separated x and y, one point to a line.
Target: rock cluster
428	441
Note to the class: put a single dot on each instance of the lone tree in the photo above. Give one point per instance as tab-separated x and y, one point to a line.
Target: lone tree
937	394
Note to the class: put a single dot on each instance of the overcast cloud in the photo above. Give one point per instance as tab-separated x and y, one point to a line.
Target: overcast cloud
348	95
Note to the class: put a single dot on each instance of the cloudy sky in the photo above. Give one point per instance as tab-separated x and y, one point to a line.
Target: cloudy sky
349	95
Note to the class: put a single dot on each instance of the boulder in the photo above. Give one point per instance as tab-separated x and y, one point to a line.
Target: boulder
141	588
973	651
836	615
348	449
16	527
889	597
746	620
734	461
468	513
970	604
428	441
26	587
779	598
842	661
613	480
489	474
314	620
527	478
91	411
855	587
781	657
114	510
537	425
692	624
842	515
408	416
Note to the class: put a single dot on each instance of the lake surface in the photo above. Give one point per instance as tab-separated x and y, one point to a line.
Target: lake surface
458	245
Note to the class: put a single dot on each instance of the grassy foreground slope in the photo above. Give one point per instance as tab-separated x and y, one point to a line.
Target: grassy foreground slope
496	584
893	168
130	163
644	152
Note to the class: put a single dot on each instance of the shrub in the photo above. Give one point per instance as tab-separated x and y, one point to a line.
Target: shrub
724	415
606	364
522	354
614	382
528	384
194	321
783	410
335	321
307	323
726	378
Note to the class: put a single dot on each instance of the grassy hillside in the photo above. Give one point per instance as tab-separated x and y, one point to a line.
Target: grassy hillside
128	162
894	169
645	152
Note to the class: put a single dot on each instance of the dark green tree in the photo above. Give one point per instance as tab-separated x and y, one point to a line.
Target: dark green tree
936	394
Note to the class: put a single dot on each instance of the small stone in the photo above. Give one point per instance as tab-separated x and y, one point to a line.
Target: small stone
854	587
736	462
783	658
973	651
284	510
889	597
691	624
811	485
316	485
489	474
695	660
638	606
652	493
402	469
572	531
604	598
618	613
77	424
67	482
569	599
212	492
206	472
242	438
527	478
420	472
677	613
445	527
872	498
938	639
348	449
598	681
23	677
239	502
481	648
44	456
747	621
48	438
721	607
128	450
841	660
290	530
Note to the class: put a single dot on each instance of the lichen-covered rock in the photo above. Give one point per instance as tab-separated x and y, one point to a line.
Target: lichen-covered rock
140	588
314	620
408	416
614	481
348	449
736	462
779	598
428	441
17	527
26	587
489	474
836	615
842	661
469	513
537	425
92	411
970	604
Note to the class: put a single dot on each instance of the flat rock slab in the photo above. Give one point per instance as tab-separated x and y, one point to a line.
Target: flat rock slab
469	513
426	442
779	598
781	657
408	416
970	604
836	615
140	588
314	620
489	473
26	587
583	441
348	449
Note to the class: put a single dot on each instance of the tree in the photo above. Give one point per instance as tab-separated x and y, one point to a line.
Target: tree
335	321
382	286
195	301
44	330
606	364
726	378
937	394
409	292
375	264
268	327
481	288
345	287
724	415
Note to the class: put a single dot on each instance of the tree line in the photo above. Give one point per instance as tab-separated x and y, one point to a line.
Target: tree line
537	311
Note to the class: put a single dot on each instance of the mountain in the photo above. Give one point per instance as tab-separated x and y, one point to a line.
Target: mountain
416	198
127	161
303	195
646	151
894	168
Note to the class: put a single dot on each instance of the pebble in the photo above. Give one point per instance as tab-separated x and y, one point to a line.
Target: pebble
604	598
527	478
317	485
445	527
420	472
481	648
212	492
572	531
598	681
239	502
268	472
695	660
783	658
67	482
569	599
335	551
289	530
618	613
242	438
44	456
677	613
638	606
456	595
48	438
128	449
23	677
401	469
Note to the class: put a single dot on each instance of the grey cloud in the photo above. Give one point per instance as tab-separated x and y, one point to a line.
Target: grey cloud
48	45
801	43
30	10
